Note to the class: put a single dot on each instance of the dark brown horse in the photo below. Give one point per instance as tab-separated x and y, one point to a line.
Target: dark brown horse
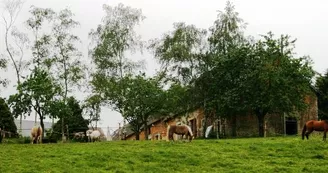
314	125
179	130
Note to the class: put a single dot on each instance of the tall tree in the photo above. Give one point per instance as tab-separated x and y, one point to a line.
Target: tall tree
20	40
67	66
277	81
145	100
41	50
225	82
181	54
74	119
322	88
226	35
37	92
92	108
113	39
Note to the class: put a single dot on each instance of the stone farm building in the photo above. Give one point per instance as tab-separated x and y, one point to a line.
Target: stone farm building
245	125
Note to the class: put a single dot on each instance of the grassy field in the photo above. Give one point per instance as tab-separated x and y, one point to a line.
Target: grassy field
280	154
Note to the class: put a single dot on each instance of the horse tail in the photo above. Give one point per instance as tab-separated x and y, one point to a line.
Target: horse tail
303	131
168	132
189	129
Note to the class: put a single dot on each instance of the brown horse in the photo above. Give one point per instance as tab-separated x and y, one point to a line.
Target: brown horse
36	135
314	125
180	130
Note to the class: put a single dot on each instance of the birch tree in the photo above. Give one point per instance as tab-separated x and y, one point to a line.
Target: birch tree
113	39
67	67
16	42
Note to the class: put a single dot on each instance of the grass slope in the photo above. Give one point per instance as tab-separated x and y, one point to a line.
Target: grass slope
281	154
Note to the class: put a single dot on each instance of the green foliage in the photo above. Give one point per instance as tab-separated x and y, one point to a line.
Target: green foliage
68	70
280	154
21	140
145	100
115	36
227	31
322	93
263	77
112	39
178	98
225	91
281	81
179	52
3	65
41	46
92	108
37	92
7	122
73	119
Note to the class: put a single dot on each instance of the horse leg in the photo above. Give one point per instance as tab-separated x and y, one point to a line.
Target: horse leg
324	135
171	137
308	133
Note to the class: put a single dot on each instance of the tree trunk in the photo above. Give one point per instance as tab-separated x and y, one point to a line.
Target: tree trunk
205	119
146	130
42	125
260	116
137	136
62	129
234	125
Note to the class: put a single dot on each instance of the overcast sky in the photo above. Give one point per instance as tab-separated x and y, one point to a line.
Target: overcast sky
304	20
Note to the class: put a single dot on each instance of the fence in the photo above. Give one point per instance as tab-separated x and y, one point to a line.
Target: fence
27	132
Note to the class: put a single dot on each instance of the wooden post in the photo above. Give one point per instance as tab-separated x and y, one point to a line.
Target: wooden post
67	133
119	131
284	124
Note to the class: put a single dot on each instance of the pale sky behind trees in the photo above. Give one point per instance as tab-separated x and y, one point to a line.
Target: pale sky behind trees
305	20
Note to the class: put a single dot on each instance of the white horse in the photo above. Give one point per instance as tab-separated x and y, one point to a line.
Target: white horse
36	134
79	135
93	135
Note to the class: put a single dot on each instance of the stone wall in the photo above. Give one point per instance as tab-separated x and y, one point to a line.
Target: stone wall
310	114
247	126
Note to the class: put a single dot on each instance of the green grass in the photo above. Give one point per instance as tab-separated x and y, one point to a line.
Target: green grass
280	154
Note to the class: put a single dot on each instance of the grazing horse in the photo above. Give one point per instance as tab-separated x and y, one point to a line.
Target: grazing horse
36	135
179	130
93	135
314	125
78	135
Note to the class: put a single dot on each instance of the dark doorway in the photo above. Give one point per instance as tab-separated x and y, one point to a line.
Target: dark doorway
291	126
193	126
